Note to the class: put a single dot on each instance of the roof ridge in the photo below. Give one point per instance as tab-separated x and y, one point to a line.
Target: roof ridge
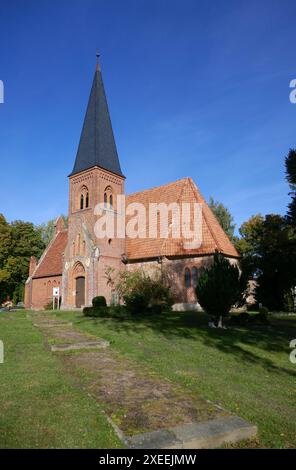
159	187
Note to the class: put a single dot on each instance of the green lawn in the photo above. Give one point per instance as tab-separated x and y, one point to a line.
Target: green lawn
40	406
246	370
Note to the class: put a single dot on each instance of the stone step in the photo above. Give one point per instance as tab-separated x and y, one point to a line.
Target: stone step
205	435
101	344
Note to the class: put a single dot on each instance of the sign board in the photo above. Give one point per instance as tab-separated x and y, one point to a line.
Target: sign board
56	292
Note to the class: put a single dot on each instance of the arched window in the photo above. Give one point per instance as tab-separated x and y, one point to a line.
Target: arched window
108	197
187	278
83	198
194	274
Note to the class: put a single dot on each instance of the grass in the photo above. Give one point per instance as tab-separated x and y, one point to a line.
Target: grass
41	406
245	370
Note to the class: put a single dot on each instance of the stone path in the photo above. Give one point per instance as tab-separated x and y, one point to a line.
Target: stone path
147	411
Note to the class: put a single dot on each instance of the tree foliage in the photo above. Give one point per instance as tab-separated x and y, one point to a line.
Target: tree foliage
219	287
277	262
268	249
18	242
224	217
47	229
290	163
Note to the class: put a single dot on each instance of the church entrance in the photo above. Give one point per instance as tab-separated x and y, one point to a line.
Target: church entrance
80	291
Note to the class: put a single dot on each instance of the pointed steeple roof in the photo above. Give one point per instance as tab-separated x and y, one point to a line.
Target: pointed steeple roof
97	145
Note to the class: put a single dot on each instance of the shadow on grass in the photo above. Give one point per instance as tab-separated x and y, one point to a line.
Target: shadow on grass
274	337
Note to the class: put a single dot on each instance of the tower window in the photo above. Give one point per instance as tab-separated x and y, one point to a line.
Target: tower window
83	202
108	197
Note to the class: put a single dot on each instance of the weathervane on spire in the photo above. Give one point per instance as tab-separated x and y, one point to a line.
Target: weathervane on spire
98	61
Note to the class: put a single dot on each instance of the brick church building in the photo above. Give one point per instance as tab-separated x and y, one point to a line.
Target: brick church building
75	261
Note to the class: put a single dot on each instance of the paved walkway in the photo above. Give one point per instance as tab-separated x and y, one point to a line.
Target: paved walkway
144	408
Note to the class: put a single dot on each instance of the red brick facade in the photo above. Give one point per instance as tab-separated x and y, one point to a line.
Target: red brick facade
76	253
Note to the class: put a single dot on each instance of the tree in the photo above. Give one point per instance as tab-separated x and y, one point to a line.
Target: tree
276	275
248	245
268	250
219	287
290	163
5	248
224	217
48	229
18	242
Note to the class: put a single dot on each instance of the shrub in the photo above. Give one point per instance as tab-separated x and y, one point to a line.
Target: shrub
48	306
219	287
253	307
261	317
242	318
99	301
263	311
148	295
289	301
96	311
136	301
245	319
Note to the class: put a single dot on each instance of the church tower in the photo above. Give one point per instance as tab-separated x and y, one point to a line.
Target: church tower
96	179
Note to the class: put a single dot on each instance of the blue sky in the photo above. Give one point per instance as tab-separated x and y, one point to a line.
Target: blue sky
195	88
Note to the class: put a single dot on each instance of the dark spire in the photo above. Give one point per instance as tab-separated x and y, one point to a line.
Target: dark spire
97	145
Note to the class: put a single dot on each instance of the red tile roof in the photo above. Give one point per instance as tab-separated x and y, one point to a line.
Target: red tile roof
51	262
213	236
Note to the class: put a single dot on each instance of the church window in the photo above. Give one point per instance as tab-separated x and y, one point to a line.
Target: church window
187	278
108	197
83	198
194	274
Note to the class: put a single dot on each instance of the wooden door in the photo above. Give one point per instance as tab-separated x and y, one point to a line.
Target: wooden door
80	291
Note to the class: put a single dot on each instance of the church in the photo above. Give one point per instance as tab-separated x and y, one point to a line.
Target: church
75	261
